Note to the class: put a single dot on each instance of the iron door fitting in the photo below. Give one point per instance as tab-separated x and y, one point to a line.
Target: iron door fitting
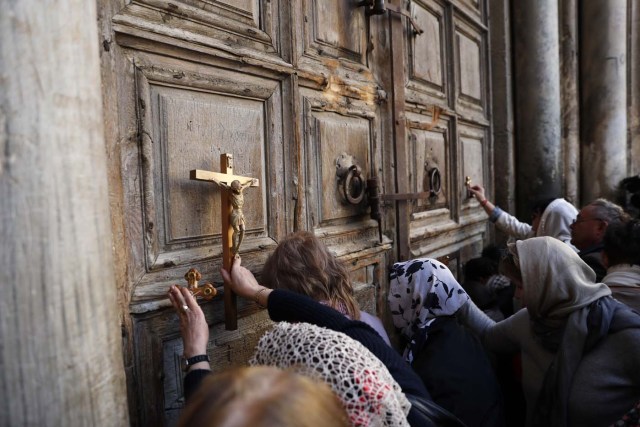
350	180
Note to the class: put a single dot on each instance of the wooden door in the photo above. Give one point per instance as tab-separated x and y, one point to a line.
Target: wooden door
443	97
292	90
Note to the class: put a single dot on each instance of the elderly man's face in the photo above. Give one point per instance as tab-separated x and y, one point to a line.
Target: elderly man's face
587	229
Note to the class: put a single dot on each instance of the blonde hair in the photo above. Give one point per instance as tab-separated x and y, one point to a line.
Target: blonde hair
302	263
263	396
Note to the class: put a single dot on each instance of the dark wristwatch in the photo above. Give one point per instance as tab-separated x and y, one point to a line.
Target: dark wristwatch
188	362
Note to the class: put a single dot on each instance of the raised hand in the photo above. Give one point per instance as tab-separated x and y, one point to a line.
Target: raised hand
478	192
193	325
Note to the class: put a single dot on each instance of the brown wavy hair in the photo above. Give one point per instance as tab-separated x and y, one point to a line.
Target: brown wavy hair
303	264
263	396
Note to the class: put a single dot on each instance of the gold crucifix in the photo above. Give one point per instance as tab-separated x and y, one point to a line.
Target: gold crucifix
233	224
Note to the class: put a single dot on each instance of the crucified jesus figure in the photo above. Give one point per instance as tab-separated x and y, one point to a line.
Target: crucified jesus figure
236	219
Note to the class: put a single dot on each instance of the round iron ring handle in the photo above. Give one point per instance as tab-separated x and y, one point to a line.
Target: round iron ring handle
353	177
435	182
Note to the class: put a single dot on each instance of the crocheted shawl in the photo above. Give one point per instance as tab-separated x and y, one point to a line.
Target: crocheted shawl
362	382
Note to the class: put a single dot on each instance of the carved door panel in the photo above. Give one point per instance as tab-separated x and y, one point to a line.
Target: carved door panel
448	128
290	89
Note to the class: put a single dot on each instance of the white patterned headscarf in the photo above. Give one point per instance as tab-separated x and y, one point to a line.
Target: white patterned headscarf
422	290
363	383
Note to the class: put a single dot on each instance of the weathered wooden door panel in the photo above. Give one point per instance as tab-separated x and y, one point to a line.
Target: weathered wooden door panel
475	9
183	137
474	141
188	117
430	152
287	88
446	97
471	68
159	393
429	56
248	27
341	116
180	91
330	136
334	28
340	112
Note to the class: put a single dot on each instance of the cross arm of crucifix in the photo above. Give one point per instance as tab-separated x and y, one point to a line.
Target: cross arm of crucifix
222	179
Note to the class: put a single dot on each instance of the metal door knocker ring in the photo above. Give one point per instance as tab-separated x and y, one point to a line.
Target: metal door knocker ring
353	185
350	180
435	182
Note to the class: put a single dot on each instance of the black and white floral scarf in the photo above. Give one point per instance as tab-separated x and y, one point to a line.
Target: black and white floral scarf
422	290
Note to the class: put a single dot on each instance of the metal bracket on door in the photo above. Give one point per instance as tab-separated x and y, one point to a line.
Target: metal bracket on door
374	196
377	7
373	7
435	186
400	11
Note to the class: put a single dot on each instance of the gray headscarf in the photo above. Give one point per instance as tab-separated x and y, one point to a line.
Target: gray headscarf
570	314
556	221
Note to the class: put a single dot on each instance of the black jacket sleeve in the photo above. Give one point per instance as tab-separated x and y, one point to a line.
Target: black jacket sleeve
192	381
292	307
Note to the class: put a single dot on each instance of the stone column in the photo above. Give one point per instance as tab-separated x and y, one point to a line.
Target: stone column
569	73
603	79
537	93
61	351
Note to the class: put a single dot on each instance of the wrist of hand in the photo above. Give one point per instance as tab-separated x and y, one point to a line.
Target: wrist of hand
260	292
200	365
190	352
200	361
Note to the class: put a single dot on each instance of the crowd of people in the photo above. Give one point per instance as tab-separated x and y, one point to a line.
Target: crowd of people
542	332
